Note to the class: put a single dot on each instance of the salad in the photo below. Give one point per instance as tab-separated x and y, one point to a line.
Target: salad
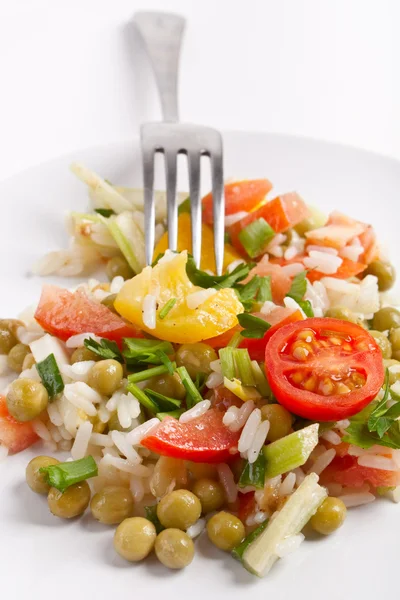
170	401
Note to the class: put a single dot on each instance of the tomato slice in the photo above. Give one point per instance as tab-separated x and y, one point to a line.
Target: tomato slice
63	314
14	435
281	213
205	439
346	471
240	196
323	369
279	317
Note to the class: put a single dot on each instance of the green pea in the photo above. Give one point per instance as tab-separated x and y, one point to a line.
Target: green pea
106	376
196	358
179	509
34	478
169	385
329	516
383	343
8	337
118	267
16	357
26	399
82	354
210	493
71	503
280	421
384	271
386	318
134	538
343	313
112	505
225	531
174	548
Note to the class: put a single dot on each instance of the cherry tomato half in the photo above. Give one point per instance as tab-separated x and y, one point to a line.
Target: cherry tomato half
323	369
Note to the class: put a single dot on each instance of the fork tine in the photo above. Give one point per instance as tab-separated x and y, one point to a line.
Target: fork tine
172	204
149	210
195	204
217	178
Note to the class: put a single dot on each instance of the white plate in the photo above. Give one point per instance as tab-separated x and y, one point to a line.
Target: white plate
43	557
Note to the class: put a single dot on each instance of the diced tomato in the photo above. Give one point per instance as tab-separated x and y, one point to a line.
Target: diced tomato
205	439
224	399
323	369
348	268
280	282
63	314
279	317
240	196
14	435
346	471
282	213
247	506
369	243
222	340
338	231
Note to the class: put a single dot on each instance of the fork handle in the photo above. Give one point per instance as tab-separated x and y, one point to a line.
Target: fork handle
162	35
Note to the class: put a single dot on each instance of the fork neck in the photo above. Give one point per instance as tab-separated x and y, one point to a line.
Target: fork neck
162	35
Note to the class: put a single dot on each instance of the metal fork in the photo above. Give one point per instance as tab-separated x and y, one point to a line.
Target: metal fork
162	35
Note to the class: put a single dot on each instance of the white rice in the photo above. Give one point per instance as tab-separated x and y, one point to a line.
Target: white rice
214	380
289	545
26	336
82	396
196	411
300	476
81	442
31	373
76	341
103	414
326	249
136	487
100	294
323	461
258	441
54	432
149	311
332	437
194	300
235	263
377	462
54	414
135	436
116	284
290	303
230	416
249	430
362	298
316	294
79	371
65	434
228	483
41	430
374	450
267	307
343	424
323	262
124	446
124	410
234	218
242	416
357	499
195	530
287	485
46	345
290	253
293	269
215	365
100	439
4	368
124	465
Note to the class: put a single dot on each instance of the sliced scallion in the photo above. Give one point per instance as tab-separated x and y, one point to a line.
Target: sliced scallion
256	236
50	375
143	398
63	475
147	373
167	308
163	402
193	394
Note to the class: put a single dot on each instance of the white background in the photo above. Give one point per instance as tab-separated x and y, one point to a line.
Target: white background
73	75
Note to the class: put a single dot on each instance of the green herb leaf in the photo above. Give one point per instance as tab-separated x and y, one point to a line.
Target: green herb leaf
167	308
63	475
105	212
298	287
381	409
105	348
184	206
254	327
242	547
50	375
264	292
254	473
143	398
256	236
137	350
147	373
193	394
204	280
164	403
151	515
306	307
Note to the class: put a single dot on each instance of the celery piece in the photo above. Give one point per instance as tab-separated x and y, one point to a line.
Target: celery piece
239	550
243	366
235	340
260	555
227	362
291	451
261	381
129	238
241	391
256	236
